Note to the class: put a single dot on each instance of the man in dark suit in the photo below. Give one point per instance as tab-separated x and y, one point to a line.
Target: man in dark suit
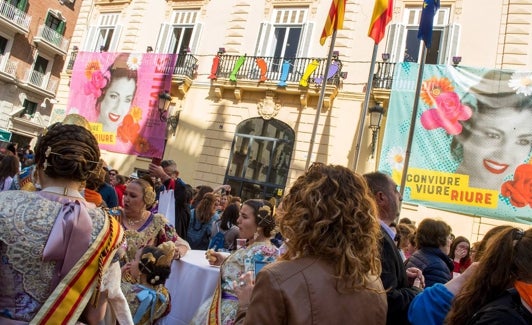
395	278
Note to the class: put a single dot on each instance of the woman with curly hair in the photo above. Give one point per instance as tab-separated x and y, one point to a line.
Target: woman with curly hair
330	272
500	291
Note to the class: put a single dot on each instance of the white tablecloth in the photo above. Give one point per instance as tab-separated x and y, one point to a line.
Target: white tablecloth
191	282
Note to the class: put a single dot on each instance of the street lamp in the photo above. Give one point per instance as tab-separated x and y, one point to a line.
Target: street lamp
375	117
163	104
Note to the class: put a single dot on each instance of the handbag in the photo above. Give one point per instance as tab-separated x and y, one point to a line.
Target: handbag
166	204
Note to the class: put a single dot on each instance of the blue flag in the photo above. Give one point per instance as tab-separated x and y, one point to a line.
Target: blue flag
427	17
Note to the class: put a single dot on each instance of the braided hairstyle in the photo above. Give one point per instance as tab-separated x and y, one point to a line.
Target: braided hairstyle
67	151
155	262
263	211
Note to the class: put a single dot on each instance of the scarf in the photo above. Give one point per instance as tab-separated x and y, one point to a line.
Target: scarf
93	197
525	291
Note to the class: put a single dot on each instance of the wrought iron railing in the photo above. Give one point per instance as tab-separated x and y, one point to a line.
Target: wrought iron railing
383	77
52	37
278	69
9	67
14	15
186	64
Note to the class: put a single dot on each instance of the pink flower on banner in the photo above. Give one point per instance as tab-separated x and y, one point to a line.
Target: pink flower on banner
96	83
447	114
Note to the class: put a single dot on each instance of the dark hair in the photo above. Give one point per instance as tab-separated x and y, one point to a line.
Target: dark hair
263	216
67	151
432	233
9	167
156	273
454	244
96	178
229	216
377	182
484	242
508	257
119	69
404	230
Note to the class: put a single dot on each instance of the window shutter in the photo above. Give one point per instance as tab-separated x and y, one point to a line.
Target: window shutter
194	43
22	5
451	43
162	39
113	46
304	44
61	27
262	41
90	39
394	42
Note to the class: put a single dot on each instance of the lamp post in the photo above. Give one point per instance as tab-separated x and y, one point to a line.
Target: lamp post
163	106
375	117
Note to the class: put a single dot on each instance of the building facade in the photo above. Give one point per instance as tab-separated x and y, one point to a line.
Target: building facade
34	40
244	101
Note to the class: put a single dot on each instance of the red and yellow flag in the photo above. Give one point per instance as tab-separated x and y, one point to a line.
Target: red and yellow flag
335	19
382	15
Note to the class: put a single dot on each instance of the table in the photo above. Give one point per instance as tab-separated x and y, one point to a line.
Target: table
192	280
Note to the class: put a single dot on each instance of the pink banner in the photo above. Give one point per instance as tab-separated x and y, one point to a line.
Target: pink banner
118	94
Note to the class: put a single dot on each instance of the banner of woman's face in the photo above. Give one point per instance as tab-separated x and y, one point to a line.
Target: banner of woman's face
118	93
472	139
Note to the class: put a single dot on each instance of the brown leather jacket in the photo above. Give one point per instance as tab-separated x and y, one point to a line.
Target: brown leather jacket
303	291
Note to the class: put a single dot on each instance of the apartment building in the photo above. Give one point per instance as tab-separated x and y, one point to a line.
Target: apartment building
34	40
243	100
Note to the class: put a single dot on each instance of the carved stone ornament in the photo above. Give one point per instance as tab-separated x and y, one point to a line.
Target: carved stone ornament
268	108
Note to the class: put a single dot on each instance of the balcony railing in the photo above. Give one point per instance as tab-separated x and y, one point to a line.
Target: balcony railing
17	17
383	77
40	80
275	72
53	38
7	66
186	65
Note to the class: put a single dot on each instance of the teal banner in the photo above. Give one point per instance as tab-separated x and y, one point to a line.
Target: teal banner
472	140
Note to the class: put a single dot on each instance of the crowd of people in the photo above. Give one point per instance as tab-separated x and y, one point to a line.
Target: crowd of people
89	245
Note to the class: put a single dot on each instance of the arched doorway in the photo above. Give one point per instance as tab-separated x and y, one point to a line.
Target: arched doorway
260	158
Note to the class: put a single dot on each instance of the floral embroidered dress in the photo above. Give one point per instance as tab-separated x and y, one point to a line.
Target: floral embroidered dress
224	307
147	303
29	274
155	231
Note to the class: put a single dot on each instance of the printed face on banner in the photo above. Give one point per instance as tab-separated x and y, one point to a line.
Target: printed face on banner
472	140
118	94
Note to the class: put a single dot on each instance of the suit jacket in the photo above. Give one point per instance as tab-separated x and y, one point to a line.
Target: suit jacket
303	291
399	292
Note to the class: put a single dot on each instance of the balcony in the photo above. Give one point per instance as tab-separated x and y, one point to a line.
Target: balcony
50	41
293	76
8	68
13	19
40	83
183	72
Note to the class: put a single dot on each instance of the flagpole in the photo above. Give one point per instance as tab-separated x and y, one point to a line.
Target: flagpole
320	100
414	118
364	111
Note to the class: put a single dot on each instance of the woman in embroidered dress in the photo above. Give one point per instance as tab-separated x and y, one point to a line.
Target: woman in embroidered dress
143	228
54	246
148	298
255	224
